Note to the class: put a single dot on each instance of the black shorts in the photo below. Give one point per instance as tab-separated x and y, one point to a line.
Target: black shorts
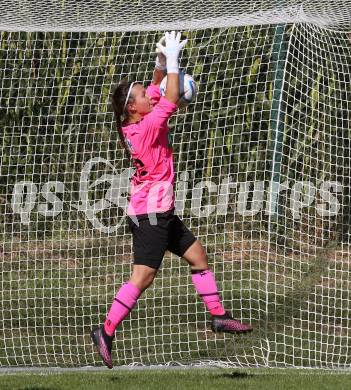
156	234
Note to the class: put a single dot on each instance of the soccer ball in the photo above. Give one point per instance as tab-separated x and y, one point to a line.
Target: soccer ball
187	89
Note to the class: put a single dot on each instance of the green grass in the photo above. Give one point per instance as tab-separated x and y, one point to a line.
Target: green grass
180	379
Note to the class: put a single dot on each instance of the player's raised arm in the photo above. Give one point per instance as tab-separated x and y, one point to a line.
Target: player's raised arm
171	51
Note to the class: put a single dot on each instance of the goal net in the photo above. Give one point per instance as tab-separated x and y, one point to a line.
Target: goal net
263	180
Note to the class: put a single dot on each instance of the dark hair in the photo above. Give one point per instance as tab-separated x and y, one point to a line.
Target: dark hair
119	97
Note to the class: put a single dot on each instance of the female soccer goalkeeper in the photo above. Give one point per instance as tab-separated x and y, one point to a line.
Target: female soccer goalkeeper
154	226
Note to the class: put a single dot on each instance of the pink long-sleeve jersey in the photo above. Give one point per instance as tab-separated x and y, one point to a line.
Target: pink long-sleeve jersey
152	185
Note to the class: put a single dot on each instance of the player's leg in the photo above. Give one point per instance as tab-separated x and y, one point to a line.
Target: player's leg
186	246
128	295
123	303
203	278
142	276
205	284
149	245
196	256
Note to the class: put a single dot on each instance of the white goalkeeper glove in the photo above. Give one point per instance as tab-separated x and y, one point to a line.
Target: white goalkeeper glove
161	63
171	50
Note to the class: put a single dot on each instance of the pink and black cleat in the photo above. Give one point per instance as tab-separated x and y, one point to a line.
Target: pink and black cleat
103	344
226	323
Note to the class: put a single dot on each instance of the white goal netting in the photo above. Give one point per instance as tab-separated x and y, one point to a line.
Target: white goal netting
138	15
263	180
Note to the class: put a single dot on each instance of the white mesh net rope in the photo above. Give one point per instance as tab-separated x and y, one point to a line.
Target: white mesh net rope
127	15
272	116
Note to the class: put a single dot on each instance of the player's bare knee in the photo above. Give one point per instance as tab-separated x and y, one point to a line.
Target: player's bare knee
143	279
147	282
150	278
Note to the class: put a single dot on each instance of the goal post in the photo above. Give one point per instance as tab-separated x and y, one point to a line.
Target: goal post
263	176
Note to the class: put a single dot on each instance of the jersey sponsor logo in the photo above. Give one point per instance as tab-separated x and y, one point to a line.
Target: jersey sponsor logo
130	146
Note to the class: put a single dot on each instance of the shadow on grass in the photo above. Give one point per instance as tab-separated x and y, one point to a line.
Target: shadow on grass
114	379
117	378
38	388
235	375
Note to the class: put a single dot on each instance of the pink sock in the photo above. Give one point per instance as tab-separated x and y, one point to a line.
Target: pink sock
206	287
124	301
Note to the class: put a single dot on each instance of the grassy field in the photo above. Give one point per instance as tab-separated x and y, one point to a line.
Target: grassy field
53	294
179	379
